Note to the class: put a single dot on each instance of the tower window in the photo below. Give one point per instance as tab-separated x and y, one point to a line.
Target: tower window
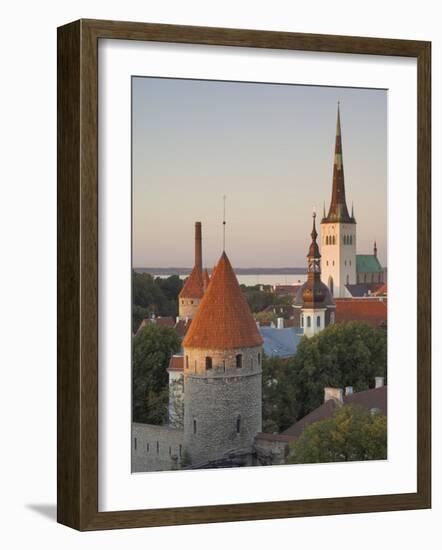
158	447
334	240
348	280
170	451
180	450
194	426
326	240
259	359
239	361
187	361
309	321
318	321
135	443
238	425
208	363
302	321
147	447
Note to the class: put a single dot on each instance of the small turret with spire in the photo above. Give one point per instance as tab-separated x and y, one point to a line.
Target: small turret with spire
314	292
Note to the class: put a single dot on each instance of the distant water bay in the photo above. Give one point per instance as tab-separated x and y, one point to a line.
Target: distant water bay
249	279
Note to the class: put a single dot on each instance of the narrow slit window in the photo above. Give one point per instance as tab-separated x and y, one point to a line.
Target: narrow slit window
239	361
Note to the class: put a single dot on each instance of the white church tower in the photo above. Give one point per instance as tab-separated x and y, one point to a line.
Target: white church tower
338	231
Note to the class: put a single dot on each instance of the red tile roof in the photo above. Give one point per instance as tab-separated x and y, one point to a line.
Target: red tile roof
367	310
323	412
206	279
194	285
368	399
286	290
223	319
164	321
382	291
176	363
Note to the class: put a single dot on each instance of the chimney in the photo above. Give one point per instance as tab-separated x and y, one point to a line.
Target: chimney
348	390
378	381
198	247
280	322
333	393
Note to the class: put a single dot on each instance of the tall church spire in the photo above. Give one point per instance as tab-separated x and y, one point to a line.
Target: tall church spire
338	211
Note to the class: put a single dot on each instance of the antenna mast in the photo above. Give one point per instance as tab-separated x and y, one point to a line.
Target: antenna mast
224	223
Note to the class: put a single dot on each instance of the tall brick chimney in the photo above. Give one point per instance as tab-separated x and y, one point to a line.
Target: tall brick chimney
198	247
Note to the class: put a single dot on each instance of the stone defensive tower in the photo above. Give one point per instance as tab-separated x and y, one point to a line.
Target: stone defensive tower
222	372
338	231
192	292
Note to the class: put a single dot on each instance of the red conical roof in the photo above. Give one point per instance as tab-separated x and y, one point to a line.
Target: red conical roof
206	279
223	319
194	285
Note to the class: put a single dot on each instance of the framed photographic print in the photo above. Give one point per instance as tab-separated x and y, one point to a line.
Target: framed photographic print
243	274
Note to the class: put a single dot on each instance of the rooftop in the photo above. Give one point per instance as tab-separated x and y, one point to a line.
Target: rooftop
367	263
368	399
194	285
367	310
223	319
282	342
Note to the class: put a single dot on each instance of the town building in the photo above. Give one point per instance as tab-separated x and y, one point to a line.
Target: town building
342	266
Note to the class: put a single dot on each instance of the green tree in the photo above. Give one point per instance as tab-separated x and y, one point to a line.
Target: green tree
151	296
345	354
279	406
352	433
152	348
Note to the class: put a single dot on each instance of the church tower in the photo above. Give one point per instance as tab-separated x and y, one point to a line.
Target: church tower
317	304
222	372
192	292
338	231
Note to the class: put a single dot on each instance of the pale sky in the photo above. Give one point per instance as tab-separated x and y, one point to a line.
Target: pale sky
267	147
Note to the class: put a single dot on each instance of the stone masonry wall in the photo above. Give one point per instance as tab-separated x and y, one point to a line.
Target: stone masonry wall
156	448
222	405
188	307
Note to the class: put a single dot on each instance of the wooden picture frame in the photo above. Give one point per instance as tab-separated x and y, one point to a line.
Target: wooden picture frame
77	226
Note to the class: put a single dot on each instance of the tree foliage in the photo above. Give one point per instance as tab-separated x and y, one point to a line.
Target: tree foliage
154	296
352	433
348	354
345	354
279	406
152	348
